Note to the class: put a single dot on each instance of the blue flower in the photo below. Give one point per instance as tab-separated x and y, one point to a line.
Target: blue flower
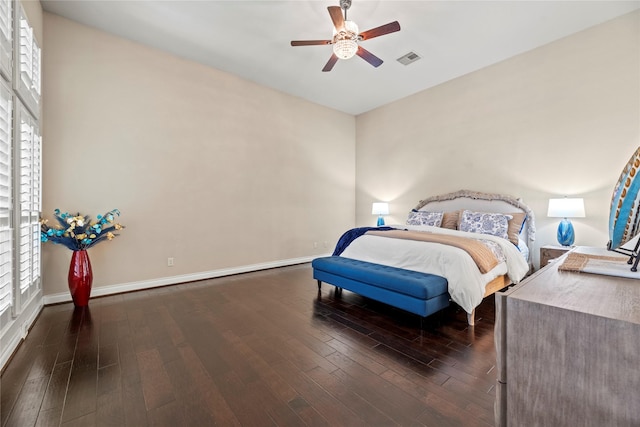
78	232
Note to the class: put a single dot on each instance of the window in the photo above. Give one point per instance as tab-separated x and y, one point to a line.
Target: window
6	38
27	63
27	210
20	176
6	231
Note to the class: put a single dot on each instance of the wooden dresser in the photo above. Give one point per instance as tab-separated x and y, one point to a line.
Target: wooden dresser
568	350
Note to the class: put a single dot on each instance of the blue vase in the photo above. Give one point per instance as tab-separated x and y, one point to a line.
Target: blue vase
380	220
566	236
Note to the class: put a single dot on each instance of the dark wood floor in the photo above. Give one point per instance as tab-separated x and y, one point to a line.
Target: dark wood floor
254	349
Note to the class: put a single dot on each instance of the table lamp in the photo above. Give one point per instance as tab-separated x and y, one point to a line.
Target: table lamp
380	208
566	208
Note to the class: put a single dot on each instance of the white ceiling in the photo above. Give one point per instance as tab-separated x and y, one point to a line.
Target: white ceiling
251	39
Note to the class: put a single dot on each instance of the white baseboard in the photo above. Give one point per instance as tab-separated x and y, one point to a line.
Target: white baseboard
173	280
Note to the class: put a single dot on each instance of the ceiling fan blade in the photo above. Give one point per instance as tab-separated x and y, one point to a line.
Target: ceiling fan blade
309	42
336	17
332	61
391	27
369	57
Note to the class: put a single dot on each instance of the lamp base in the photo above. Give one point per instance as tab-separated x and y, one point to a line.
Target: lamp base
566	236
380	220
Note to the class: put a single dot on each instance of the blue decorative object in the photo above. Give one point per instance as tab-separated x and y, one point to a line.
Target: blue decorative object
380	220
624	221
566	236
566	208
624	215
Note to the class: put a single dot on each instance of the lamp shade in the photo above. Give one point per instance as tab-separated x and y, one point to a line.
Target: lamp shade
380	208
566	208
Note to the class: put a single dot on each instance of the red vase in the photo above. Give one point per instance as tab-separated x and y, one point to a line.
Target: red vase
80	278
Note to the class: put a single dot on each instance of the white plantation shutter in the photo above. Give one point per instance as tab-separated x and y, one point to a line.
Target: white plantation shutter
27	164
6	232
27	63
36	208
5	19
6	38
36	72
20	175
24	186
26	51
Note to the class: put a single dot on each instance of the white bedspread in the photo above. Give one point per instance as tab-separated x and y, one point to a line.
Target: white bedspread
466	283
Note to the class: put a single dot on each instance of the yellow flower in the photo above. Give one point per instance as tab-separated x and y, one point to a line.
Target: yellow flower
110	236
92	236
80	236
118	227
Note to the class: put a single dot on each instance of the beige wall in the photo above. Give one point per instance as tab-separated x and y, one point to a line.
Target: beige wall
205	167
562	119
218	172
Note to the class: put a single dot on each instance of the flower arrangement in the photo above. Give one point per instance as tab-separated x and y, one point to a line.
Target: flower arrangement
77	232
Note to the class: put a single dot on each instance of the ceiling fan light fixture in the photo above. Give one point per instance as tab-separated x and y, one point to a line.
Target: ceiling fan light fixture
345	45
345	49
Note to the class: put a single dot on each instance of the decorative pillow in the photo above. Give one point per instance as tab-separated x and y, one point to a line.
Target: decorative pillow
494	224
433	219
450	220
515	226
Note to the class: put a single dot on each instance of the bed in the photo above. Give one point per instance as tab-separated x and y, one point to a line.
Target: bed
467	214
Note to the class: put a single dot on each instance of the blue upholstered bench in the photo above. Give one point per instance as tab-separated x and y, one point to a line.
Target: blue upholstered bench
418	293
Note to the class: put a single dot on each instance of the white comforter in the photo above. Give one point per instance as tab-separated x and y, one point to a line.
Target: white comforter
466	283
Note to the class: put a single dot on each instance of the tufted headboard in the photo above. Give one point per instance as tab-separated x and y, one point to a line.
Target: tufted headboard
482	202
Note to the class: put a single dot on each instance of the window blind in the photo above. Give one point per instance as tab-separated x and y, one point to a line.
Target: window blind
5	19
28	197
26	51
6	38
27	56
6	232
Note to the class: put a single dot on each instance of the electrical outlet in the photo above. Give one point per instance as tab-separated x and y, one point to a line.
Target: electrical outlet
170	262
315	245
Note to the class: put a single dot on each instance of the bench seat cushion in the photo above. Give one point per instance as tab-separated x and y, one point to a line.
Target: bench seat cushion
418	285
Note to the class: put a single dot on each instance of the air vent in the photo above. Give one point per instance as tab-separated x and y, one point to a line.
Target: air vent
409	58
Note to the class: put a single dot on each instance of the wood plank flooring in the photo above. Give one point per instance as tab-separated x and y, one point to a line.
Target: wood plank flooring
258	349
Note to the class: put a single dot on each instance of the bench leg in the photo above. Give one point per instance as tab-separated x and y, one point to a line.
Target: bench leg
471	318
319	284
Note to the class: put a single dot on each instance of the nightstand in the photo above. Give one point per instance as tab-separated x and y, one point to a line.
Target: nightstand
549	252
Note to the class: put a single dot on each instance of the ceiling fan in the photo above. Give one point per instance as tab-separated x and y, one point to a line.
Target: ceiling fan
346	37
